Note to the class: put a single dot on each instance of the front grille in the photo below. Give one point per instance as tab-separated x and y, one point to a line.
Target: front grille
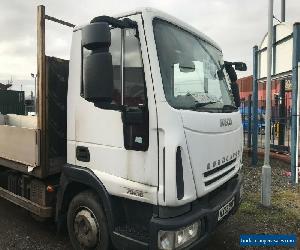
218	169
215	170
219	177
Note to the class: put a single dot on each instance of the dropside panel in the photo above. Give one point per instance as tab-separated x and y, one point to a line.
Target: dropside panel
20	145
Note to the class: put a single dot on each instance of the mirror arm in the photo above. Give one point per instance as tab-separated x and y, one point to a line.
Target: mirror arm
238	65
116	23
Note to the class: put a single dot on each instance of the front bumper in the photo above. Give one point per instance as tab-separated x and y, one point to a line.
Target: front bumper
204	209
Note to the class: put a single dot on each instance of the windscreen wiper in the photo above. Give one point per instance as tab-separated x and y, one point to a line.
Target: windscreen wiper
229	108
203	104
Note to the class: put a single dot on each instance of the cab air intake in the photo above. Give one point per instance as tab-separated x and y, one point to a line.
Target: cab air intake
179	175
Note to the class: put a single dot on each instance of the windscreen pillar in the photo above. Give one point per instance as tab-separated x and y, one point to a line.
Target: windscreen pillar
295	103
255	107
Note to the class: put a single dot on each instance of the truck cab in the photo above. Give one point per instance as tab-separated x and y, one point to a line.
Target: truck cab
152	118
137	142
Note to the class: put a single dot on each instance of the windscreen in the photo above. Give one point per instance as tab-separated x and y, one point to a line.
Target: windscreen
191	70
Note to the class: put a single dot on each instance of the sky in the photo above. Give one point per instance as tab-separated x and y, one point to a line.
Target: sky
236	25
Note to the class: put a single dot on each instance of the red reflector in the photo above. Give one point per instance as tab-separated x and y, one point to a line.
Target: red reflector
50	189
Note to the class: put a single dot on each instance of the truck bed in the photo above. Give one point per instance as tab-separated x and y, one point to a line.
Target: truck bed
37	144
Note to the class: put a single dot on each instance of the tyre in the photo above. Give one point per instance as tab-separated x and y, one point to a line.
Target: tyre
87	224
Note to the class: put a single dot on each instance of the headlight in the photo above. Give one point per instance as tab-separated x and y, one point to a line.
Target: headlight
174	239
166	240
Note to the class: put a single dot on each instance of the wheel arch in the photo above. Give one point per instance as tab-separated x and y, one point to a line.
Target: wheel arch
74	180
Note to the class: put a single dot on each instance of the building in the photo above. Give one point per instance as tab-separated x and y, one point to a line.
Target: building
12	102
5	86
246	87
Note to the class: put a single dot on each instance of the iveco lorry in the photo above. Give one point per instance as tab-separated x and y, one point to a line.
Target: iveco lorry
137	139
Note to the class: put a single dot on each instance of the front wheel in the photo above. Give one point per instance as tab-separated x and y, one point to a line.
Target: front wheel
87	224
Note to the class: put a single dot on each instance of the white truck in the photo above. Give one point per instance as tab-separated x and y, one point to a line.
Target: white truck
137	142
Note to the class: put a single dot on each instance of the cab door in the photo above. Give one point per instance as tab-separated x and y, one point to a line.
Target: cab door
119	143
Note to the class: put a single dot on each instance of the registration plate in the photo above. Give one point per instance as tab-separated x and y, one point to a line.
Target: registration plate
226	209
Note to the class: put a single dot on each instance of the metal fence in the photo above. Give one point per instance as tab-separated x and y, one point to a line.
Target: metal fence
280	123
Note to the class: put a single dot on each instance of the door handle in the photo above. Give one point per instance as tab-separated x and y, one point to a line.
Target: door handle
82	154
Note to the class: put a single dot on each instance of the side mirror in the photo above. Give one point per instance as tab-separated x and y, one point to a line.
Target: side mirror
97	67
234	86
240	66
236	94
231	73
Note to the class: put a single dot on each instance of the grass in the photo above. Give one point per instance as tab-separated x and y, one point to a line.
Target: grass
282	217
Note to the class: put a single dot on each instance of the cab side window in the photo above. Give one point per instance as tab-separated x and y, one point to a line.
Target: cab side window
115	50
134	79
133	87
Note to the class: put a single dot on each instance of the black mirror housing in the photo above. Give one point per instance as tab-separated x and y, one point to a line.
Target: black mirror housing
240	66
234	86
96	36
231	73
97	67
98	78
236	94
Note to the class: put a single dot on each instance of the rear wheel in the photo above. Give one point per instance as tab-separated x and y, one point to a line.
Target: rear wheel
87	224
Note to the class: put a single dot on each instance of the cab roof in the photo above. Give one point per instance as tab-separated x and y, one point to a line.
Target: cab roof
164	16
146	11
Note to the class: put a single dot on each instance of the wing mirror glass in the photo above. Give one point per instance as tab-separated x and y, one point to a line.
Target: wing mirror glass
233	78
